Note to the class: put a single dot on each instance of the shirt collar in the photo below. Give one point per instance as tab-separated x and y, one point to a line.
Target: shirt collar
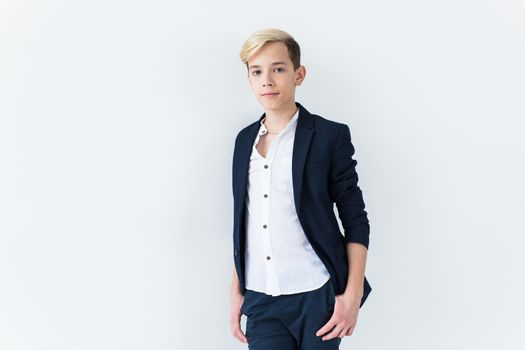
293	121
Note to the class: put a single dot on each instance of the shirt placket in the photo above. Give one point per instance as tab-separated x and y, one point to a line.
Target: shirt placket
271	270
269	263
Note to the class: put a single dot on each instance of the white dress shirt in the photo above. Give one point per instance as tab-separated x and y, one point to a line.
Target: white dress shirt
278	257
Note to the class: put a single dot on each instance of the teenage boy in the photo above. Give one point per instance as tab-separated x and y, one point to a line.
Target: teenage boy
297	278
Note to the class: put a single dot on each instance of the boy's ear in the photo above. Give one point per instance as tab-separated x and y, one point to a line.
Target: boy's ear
300	75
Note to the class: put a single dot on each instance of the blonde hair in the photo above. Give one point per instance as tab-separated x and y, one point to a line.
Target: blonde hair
261	37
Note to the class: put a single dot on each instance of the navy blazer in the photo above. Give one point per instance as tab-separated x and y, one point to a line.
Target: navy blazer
323	173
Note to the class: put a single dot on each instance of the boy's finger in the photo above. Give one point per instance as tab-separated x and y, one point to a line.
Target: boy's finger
328	326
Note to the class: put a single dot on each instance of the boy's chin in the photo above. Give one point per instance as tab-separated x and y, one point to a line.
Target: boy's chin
271	104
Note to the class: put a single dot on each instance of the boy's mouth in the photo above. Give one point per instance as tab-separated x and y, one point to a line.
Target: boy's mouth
270	94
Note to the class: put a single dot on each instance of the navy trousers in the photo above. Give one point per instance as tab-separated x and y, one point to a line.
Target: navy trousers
289	322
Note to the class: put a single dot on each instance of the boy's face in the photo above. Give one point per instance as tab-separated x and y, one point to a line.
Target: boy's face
271	71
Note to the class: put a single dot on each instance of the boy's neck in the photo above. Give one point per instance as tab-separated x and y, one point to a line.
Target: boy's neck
275	121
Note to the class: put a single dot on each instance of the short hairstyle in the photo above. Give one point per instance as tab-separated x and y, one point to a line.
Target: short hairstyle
261	37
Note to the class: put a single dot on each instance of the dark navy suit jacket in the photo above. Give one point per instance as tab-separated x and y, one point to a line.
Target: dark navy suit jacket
323	173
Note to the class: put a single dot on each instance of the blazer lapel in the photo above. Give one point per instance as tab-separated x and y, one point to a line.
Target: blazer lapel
303	137
243	165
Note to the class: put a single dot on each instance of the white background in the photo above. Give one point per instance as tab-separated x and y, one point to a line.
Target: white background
116	136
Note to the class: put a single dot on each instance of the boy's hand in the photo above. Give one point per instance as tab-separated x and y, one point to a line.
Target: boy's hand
344	318
235	316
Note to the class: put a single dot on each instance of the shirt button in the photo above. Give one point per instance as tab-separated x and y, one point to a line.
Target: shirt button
265	195
265	226
265	166
268	258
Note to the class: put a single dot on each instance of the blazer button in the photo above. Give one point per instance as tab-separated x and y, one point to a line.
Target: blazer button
236	252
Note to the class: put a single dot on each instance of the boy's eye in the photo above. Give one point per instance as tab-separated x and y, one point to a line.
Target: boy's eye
256	72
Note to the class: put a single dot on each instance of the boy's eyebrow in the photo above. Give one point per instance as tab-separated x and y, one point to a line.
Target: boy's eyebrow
273	64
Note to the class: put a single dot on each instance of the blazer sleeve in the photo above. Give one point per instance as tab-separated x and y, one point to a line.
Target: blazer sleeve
345	192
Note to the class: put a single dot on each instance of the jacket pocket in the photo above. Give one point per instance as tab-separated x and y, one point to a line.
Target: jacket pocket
315	163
